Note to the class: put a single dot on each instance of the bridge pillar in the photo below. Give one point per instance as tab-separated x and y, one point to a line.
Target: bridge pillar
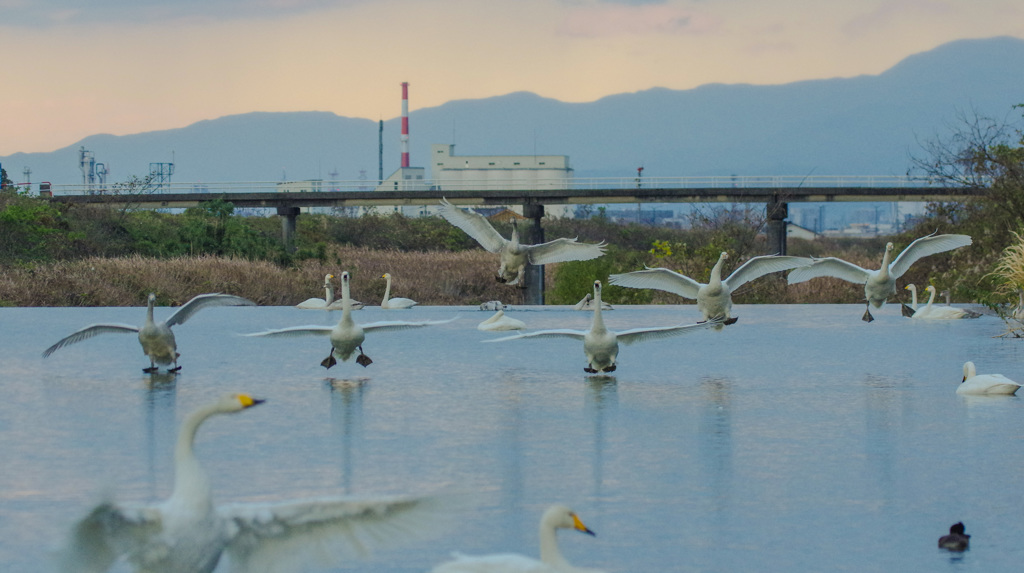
288	216
777	212
534	275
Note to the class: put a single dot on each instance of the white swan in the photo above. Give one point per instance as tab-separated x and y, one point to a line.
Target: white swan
515	256
587	304
932	312
881	284
551	559
347	336
156	338
328	302
397	302
187	532
494	305
714	299
501	322
974	383
600	345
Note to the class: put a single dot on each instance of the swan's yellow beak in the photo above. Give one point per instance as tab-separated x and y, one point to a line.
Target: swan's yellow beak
576	523
248	401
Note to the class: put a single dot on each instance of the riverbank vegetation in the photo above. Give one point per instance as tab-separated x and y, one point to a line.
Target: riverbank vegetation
55	254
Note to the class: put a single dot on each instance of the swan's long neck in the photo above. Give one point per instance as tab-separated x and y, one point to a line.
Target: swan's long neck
514	240
886	258
387	289
931	297
549	552
346	303
191	485
328	292
149	312
598	325
716	273
913	296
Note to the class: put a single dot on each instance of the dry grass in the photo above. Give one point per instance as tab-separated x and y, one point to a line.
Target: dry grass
1010	268
437	278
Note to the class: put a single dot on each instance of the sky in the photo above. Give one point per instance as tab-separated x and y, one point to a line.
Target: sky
73	69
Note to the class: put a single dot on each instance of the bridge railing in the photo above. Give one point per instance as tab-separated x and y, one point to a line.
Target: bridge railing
576	183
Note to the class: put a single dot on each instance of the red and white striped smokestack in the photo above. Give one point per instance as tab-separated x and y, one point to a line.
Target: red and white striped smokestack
405	124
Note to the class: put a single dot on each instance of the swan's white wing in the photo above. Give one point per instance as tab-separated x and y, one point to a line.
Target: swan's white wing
660	279
89	332
475	225
308	330
322	532
830	267
402	324
757	267
185	311
553	333
924	246
561	250
658	332
108	532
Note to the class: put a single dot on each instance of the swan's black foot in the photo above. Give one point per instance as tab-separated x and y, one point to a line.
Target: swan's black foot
175	369
329	361
730	320
906	310
363	360
150	370
867	316
590	370
499	279
610	368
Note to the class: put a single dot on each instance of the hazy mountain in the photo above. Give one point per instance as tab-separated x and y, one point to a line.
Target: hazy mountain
865	125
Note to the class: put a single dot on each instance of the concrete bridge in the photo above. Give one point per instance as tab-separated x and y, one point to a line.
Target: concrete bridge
774	192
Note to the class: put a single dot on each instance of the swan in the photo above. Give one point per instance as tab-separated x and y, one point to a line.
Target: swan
156	338
494	305
931	312
714	299
881	284
501	322
908	311
515	256
347	336
328	302
551	559
188	532
974	383
957	540
600	345
587	304
397	302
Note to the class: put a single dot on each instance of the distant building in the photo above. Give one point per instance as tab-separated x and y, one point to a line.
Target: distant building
794	231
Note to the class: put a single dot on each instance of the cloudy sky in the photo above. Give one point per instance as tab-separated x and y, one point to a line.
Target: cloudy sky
74	68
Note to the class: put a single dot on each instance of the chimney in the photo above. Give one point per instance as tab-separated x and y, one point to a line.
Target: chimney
405	124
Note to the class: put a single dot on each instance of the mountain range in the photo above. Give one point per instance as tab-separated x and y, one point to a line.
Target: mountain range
863	125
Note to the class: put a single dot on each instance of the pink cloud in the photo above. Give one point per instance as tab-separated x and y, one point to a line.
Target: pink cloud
892	12
620	20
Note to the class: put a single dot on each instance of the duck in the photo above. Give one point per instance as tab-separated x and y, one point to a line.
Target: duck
501	322
932	312
551	559
188	531
714	299
587	304
397	302
156	338
328	302
974	383
347	336
879	284
957	540
514	256
600	345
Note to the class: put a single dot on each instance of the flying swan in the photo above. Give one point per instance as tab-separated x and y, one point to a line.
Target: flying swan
515	256
974	383
881	284
714	299
397	302
156	338
188	532
347	336
328	302
551	559
931	312
600	345
501	322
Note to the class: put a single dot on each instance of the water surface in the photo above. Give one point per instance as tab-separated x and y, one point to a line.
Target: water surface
799	439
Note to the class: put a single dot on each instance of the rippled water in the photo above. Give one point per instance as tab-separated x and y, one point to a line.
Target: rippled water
799	439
